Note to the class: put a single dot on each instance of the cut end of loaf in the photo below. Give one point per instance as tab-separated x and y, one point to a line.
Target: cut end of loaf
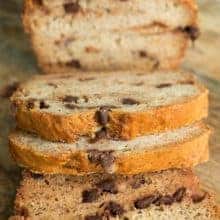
57	32
161	194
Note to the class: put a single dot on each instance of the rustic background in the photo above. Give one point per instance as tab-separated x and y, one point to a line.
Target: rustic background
17	63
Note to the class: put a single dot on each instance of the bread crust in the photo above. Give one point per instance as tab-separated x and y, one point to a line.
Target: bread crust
178	155
122	124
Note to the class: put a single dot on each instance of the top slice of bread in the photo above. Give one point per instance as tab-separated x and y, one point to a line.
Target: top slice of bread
125	104
110	35
171	194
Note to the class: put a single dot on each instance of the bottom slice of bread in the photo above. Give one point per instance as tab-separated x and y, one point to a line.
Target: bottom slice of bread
183	147
171	194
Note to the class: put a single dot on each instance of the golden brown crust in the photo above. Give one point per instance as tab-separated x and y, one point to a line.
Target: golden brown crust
179	155
123	125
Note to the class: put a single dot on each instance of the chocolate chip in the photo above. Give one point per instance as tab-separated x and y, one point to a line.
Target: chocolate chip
71	106
23	211
93	217
192	31
47	182
167	200
74	63
86	99
72	7
102	116
30	103
130	101
187	82
144	202
52	84
113	209
142	53
104	158
163	85
43	105
108	185
90	195
137	182
196	198
37	176
179	194
100	135
38	2
8	90
86	79
157	201
70	98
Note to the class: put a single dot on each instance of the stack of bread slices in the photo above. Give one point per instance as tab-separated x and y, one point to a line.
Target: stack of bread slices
117	141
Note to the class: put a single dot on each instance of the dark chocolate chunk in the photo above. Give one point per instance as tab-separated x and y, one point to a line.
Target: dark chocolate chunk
93	217
72	7
196	198
38	2
179	194
167	200
104	158
137	182
142	53
100	135
187	82
157	201
74	63
102	115
52	84
130	101
8	90
30	103
47	182
43	105
37	176
23	211
71	106
86	79
108	185
192	31
163	85
86	99
70	98
90	195
145	202
113	209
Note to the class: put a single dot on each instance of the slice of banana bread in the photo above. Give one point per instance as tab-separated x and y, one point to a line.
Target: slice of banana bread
171	194
108	35
124	104
183	147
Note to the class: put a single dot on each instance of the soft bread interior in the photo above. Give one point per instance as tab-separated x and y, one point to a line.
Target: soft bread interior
59	196
109	89
107	15
143	143
118	50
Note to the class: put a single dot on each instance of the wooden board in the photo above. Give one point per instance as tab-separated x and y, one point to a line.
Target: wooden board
17	63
